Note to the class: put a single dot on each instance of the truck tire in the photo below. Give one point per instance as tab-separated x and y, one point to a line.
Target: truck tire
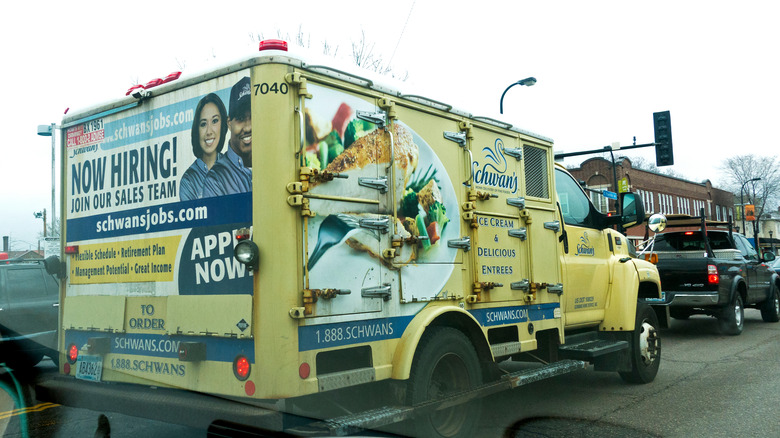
645	348
445	362
732	320
770	310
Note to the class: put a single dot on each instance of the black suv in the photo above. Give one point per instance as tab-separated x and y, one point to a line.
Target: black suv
29	301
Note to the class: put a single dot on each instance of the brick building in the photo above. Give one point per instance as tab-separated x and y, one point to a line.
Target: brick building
660	193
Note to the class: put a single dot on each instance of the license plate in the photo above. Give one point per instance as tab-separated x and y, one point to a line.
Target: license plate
89	367
657	300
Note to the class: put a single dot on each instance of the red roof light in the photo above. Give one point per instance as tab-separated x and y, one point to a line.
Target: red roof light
273	45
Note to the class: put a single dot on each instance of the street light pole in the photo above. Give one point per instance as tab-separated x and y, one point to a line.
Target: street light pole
528	82
48	131
742	202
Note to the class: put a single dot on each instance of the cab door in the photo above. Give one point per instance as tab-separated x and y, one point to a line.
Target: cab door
758	274
586	254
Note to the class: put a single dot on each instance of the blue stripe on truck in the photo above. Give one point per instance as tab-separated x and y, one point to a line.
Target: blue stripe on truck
140	344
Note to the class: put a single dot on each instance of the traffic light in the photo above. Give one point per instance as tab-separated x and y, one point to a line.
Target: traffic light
662	122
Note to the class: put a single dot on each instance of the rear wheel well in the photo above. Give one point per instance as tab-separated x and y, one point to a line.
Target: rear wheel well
472	331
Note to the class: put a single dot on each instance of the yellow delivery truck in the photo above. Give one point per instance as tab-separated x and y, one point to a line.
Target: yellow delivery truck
275	232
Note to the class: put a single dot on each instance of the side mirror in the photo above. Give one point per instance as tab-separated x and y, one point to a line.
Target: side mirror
633	210
769	256
54	266
657	223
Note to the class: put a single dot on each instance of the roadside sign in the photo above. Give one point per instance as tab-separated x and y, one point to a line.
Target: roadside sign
609	195
623	185
750	212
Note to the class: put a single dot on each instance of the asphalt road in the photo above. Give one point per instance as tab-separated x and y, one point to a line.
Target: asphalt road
708	385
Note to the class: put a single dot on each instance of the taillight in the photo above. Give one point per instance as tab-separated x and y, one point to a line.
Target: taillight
241	368
73	353
712	274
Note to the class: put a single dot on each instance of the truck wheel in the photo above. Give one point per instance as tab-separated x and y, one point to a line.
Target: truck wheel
445	363
732	320
770	310
645	347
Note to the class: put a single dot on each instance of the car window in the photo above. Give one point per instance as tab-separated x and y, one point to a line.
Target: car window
745	248
25	284
575	206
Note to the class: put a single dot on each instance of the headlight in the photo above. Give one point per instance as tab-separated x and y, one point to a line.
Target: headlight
247	253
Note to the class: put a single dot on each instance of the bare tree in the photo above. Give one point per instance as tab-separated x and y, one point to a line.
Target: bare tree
363	56
760	178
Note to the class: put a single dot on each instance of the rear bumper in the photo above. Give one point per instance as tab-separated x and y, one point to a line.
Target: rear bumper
687	299
682	299
162	404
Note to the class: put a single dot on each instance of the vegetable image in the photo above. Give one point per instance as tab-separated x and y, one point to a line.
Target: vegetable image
424	238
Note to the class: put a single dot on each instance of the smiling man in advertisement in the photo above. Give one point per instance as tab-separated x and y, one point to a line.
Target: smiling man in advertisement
234	173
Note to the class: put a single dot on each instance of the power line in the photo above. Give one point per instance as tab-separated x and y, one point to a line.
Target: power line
411	8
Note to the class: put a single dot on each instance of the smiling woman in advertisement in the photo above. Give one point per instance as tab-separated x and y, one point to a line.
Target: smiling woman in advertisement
208	139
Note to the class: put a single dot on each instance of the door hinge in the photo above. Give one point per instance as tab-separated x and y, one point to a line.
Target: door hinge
516	153
382	292
378	183
462	243
520	233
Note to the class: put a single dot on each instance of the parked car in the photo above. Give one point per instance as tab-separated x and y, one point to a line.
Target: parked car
775	265
29	301
715	272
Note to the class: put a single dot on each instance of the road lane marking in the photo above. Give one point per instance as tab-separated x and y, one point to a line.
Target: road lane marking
37	408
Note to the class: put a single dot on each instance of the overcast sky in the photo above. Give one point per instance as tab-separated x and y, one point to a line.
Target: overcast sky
602	68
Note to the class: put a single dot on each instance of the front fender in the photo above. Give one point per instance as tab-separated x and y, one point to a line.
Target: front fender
620	312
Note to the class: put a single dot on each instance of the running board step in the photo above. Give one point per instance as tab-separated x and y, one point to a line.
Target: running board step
588	350
376	418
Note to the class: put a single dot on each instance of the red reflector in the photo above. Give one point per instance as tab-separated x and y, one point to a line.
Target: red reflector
241	368
249	388
73	353
73	249
273	45
172	77
304	370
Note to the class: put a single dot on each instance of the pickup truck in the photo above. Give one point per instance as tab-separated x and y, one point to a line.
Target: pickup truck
714	272
29	301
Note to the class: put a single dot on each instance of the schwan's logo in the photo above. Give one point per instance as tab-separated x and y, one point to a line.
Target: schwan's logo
584	248
494	172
